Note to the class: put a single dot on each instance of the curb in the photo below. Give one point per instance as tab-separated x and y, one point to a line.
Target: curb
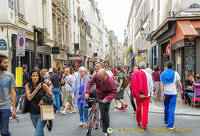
184	114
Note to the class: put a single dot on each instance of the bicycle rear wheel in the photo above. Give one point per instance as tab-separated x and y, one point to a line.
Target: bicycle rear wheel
90	125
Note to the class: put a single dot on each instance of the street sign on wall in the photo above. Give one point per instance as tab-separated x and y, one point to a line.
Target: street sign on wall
55	50
3	44
20	43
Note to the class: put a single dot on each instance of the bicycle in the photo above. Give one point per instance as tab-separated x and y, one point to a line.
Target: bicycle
92	118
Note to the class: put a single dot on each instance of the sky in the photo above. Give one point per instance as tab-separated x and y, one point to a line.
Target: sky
115	15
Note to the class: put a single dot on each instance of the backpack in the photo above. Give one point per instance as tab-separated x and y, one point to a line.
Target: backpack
125	81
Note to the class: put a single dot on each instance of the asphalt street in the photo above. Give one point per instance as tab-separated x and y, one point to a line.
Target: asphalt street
123	123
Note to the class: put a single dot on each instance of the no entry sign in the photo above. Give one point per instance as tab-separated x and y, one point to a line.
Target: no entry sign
20	43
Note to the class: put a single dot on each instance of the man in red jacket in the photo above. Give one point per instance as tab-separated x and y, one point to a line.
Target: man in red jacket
106	90
142	86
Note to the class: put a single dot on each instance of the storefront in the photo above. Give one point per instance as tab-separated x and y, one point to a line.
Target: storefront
178	41
44	57
184	47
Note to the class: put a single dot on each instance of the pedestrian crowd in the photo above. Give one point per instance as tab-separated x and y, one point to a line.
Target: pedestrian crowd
72	87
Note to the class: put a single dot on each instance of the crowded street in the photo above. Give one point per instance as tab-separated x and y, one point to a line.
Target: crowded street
68	125
100	68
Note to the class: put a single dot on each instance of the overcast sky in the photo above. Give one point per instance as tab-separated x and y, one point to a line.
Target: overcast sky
115	14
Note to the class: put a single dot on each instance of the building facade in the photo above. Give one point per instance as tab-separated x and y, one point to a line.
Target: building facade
61	26
166	31
26	15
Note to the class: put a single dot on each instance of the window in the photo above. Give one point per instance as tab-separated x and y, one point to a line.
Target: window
19	9
44	10
158	12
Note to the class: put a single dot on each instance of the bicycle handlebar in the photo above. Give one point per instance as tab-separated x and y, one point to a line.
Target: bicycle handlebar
94	100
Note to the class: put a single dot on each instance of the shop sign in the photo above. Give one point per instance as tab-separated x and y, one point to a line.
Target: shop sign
55	50
139	59
91	60
168	50
74	58
3	44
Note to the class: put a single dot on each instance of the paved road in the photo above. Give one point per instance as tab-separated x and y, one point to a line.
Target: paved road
124	122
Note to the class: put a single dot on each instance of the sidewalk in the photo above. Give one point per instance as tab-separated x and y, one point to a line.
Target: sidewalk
181	109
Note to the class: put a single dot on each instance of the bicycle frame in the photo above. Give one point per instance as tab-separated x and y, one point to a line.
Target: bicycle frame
92	111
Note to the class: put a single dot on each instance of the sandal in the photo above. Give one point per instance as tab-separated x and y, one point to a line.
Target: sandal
64	113
72	112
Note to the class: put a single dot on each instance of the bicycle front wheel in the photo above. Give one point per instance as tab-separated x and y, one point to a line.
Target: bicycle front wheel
90	125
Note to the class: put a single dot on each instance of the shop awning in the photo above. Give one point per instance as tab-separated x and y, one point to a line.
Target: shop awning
185	29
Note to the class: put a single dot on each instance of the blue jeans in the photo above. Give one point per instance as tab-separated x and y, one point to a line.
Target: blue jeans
56	101
170	105
38	124
190	95
83	113
4	122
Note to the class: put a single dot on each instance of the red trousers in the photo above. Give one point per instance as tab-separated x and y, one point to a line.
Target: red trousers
142	116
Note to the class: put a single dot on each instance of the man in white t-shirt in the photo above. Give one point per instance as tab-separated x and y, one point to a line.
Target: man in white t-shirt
169	78
68	80
148	69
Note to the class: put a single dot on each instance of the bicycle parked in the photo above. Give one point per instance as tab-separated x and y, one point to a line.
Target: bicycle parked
92	118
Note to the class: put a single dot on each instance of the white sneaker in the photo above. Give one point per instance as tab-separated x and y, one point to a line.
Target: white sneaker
85	124
80	124
133	113
172	128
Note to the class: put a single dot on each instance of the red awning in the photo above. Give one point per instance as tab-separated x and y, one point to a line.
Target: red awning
185	29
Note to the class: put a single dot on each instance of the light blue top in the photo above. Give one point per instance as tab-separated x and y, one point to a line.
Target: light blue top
76	87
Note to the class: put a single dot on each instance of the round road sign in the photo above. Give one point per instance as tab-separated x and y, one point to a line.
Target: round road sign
21	41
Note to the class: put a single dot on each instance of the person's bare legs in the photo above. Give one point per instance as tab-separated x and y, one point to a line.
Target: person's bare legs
73	107
122	102
66	108
116	103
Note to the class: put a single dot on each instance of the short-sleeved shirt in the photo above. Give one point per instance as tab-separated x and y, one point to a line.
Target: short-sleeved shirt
7	81
120	77
149	70
68	79
55	79
170	88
